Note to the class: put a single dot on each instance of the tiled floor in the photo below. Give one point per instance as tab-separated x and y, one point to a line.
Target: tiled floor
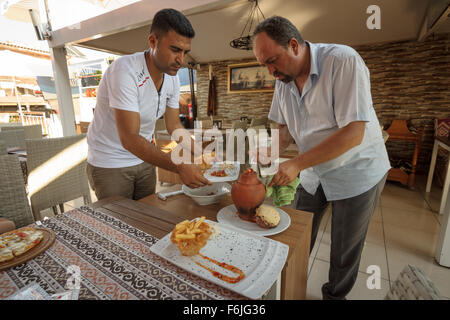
404	230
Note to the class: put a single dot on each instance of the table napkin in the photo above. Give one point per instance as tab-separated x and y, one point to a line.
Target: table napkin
282	195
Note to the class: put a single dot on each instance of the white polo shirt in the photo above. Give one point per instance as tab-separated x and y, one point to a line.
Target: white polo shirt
127	85
336	93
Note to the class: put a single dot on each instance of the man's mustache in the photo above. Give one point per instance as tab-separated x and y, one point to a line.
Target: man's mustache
286	78
276	74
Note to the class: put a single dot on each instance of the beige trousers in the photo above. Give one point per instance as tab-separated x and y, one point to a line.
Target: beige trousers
135	182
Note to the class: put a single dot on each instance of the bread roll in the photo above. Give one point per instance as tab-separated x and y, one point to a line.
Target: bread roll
267	216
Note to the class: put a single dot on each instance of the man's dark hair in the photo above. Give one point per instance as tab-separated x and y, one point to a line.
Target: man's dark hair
167	19
279	29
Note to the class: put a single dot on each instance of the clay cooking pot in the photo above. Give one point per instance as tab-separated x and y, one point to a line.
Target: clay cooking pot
248	193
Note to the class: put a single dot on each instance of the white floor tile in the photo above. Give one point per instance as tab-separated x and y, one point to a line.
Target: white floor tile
75	203
377	216
324	249
374	255
439	217
433	197
310	264
317	277
411	241
326	220
375	233
364	291
414	202
417	220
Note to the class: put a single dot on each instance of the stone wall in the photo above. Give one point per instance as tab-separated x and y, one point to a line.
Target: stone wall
229	106
409	80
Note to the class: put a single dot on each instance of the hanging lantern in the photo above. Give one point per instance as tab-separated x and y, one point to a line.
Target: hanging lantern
245	42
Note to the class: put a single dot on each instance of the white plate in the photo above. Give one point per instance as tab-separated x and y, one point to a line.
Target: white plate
232	173
227	215
261	259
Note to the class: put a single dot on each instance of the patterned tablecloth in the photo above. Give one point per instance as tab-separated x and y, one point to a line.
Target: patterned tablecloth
115	263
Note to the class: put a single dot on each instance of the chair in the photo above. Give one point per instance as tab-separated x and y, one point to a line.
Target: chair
239	125
13	198
257	131
10	124
413	284
207	124
13	138
258	122
33	131
218	122
235	126
273	124
3	148
69	184
11	127
259	127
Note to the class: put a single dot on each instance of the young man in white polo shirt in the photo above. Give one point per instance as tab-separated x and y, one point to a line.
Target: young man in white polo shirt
132	95
322	101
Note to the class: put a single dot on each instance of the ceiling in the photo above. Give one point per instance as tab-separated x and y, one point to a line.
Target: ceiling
218	22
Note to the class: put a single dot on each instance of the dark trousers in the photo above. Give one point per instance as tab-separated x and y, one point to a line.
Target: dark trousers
349	223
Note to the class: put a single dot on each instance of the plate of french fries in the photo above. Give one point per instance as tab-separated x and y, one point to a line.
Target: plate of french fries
191	236
202	247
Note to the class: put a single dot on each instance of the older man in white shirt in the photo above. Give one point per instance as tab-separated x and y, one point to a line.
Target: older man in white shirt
322	101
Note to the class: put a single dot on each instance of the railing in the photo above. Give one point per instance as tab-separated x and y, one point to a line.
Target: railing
51	127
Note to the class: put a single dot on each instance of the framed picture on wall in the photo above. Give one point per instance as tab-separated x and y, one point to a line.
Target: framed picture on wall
249	77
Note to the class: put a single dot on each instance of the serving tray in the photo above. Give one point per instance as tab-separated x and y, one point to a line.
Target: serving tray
46	242
261	259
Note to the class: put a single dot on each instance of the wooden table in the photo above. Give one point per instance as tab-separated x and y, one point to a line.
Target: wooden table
113	257
442	254
295	273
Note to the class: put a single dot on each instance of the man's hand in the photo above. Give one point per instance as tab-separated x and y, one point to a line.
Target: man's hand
191	176
287	172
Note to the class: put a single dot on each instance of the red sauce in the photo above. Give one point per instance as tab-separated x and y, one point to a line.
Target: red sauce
22	234
224	265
